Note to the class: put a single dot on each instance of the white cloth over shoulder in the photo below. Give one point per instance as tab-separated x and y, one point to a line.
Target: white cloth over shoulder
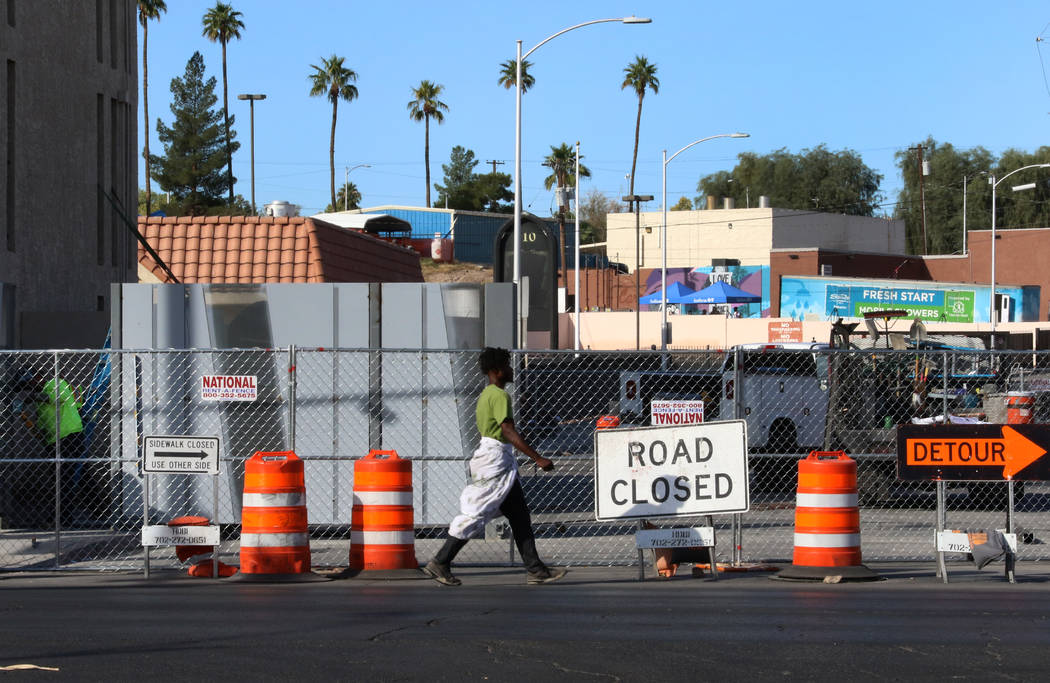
493	470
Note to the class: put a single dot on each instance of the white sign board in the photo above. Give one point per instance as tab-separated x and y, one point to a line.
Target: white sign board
181	454
959	542
671	471
664	413
229	387
701	536
164	535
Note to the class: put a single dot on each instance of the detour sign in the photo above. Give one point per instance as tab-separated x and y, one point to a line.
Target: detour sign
991	452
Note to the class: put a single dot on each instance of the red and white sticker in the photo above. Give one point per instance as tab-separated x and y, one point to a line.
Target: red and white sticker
229	388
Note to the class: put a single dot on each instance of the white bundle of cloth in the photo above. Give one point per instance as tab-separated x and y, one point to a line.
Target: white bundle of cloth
493	470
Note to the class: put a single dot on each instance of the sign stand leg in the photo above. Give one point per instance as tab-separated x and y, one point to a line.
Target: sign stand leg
1009	562
145	521
712	555
215	517
942	569
641	555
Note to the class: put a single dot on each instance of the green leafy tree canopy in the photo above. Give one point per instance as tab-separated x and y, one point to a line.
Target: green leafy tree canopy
816	179
466	190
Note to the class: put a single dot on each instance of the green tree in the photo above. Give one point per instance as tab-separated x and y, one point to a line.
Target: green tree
336	82
816	179
562	162
221	24
683	205
350	198
468	191
943	190
148	9
639	75
424	106
594	211
192	168
508	75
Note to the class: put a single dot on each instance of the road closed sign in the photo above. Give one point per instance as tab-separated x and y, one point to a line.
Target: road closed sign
673	471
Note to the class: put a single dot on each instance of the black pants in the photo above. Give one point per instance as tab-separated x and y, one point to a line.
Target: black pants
516	510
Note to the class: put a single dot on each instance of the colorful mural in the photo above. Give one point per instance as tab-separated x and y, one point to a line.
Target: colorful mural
818	298
752	279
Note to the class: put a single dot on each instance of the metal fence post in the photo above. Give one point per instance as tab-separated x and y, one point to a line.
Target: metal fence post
291	397
738	526
58	461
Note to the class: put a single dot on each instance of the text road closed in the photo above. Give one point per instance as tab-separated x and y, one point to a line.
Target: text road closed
671	471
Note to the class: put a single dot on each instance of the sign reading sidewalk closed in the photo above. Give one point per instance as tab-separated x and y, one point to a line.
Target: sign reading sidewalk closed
980	452
180	454
671	471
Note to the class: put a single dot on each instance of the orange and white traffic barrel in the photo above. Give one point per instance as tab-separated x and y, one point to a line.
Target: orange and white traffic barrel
1020	407
827	520
382	521
275	538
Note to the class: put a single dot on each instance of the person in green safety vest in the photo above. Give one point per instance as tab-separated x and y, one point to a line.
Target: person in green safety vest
69	422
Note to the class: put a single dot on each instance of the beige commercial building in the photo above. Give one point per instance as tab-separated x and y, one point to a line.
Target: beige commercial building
704	238
68	142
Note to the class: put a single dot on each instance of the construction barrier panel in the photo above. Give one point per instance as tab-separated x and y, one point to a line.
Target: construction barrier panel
382	536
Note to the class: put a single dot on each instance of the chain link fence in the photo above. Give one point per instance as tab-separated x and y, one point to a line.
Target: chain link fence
72	490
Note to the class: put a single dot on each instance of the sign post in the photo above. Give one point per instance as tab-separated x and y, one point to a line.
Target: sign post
980	452
676	471
180	455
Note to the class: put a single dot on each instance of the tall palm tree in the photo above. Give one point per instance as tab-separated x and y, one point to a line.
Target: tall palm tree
334	81
562	162
221	24
508	74
424	106
148	9
639	75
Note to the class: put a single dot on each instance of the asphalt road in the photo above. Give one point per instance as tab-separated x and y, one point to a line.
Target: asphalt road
598	624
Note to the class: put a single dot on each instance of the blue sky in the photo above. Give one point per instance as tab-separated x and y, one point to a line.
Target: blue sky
794	75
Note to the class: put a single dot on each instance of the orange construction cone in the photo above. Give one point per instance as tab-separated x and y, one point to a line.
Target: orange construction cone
275	539
382	523
827	521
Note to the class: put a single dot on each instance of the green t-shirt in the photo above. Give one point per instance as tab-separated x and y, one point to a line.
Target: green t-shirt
492	411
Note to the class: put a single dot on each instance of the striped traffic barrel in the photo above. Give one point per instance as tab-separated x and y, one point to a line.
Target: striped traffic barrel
827	519
382	524
275	540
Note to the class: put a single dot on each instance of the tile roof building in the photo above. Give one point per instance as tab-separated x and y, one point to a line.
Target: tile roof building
253	249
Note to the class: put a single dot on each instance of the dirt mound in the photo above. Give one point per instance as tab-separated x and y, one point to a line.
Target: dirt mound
454	272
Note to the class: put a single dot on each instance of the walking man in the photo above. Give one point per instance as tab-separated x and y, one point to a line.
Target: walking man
494	488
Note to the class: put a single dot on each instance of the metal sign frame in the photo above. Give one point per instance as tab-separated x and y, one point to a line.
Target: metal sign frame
146	477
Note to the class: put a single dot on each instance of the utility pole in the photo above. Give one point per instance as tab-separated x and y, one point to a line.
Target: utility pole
922	199
494	164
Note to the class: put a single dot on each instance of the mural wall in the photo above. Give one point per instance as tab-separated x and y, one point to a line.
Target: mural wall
751	279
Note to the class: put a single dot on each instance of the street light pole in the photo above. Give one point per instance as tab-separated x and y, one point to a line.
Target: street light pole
346	184
637	200
993	314
251	107
576	285
663	232
517	146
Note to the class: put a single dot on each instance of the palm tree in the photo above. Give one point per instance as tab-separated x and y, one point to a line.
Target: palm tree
562	162
334	81
424	107
221	24
148	9
508	74
639	75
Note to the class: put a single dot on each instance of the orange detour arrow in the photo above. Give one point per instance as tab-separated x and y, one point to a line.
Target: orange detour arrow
1013	451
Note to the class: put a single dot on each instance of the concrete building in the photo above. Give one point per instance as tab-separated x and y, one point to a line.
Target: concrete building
68	136
746	236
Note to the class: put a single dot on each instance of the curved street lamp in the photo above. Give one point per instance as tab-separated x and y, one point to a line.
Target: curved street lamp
995	183
517	145
346	185
663	232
